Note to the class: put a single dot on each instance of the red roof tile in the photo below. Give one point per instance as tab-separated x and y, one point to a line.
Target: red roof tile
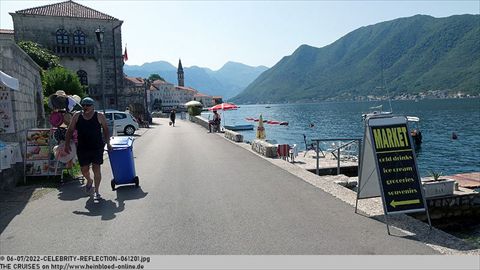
67	9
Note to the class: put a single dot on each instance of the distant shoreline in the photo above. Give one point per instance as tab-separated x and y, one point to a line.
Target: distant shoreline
396	98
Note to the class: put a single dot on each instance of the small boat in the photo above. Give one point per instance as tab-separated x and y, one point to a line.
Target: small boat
239	127
415	130
272	122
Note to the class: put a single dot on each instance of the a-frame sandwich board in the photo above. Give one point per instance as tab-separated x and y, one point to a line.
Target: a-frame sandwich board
388	167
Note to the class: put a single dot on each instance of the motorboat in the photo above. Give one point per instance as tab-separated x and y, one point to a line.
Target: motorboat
415	130
239	127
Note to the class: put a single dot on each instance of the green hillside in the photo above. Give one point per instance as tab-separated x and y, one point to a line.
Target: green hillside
418	54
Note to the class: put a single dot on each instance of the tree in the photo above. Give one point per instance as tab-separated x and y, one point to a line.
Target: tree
154	77
40	55
60	78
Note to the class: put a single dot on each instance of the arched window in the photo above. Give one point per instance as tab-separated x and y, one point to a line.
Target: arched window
82	76
62	36
78	37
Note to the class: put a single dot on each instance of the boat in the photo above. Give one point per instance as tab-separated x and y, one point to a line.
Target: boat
415	130
413	124
239	127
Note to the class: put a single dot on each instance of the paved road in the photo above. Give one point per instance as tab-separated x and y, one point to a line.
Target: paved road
199	194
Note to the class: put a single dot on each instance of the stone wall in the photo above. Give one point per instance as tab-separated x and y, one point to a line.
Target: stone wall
27	102
233	136
42	30
264	148
200	120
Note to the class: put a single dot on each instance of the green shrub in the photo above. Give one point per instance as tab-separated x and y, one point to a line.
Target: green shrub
194	111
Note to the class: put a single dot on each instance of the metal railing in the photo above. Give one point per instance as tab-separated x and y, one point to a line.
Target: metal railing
337	151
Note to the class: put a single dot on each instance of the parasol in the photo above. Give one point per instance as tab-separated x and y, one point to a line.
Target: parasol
193	103
260	129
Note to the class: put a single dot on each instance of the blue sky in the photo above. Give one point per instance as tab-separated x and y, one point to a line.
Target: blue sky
210	33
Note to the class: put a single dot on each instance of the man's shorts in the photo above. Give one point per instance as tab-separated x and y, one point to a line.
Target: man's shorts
90	156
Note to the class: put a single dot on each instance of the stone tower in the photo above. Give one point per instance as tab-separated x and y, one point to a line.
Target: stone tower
181	81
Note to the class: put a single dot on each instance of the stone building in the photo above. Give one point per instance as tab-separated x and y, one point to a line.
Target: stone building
134	91
206	100
22	106
69	30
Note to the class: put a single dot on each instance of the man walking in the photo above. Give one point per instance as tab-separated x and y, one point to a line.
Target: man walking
89	125
172	117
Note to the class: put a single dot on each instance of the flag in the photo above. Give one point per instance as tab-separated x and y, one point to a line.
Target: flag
125	55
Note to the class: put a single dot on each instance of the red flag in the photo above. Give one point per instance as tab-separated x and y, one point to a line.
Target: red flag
125	55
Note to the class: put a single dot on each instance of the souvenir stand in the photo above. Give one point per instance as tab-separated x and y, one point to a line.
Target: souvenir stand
45	155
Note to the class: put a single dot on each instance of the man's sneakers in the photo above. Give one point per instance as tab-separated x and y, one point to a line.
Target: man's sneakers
97	196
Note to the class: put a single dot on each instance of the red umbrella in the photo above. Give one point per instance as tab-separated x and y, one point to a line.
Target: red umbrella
223	107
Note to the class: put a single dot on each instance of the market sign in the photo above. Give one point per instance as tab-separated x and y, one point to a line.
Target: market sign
389	166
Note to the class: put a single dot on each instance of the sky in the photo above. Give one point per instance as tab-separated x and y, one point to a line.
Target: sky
211	33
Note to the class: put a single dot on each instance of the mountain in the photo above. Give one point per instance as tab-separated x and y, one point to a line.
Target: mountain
228	81
416	54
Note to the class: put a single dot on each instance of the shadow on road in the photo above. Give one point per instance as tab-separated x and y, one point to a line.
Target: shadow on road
72	190
127	193
107	209
12	203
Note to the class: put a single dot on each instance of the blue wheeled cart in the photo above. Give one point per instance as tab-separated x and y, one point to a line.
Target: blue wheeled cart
121	161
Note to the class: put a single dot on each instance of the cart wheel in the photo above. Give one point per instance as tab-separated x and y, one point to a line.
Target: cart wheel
112	183
137	182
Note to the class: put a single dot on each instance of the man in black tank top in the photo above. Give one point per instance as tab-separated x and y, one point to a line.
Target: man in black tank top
90	126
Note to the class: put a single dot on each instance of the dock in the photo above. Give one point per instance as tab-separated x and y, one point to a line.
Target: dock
467	180
328	163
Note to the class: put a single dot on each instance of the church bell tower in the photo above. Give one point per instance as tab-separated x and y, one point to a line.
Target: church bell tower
181	81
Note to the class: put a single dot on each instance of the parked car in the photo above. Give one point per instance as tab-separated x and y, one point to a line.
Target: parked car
124	121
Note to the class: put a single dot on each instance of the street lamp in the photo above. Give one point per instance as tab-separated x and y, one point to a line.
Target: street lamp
99	33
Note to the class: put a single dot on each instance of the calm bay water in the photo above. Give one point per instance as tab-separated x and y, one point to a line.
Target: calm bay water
438	119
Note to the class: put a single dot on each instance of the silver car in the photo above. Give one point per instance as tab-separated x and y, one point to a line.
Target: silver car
124	121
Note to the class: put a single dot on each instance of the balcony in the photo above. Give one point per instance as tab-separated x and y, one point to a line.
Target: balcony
73	50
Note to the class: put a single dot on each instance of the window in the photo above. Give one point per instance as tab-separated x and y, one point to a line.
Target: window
82	76
120	116
62	36
78	38
108	116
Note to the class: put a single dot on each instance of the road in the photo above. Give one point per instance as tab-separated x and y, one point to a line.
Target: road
199	194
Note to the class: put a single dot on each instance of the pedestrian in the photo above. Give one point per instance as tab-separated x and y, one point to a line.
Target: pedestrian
215	122
89	125
172	117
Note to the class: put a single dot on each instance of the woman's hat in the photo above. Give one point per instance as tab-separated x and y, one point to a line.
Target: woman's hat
58	101
87	101
61	93
76	98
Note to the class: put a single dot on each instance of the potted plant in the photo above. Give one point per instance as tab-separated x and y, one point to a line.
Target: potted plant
435	185
436	175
